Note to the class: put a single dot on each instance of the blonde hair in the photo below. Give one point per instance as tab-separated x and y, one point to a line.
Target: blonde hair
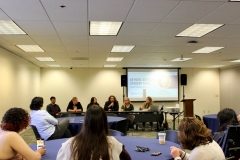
74	98
127	99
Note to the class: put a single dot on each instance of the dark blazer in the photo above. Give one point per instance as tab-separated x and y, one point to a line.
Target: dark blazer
50	109
131	108
70	106
114	108
90	104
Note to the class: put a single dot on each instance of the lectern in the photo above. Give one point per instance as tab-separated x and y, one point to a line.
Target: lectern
188	107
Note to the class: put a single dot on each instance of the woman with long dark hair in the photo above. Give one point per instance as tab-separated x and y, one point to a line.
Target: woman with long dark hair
225	117
93	142
111	104
93	101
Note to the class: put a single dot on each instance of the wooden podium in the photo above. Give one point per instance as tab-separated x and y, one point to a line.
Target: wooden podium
188	107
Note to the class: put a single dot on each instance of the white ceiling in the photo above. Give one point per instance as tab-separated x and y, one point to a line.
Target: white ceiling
150	25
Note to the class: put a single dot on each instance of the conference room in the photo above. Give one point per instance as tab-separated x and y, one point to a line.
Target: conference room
169	59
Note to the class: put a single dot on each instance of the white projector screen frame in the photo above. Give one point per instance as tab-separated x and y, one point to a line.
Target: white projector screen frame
159	83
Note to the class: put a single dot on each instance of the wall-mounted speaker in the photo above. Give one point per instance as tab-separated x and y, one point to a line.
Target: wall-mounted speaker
124	80
183	80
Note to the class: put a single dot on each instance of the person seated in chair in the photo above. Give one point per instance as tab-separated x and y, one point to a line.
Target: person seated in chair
12	145
47	126
127	106
225	117
111	104
53	108
93	101
193	135
74	106
146	107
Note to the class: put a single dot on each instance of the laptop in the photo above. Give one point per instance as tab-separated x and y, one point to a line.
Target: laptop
154	108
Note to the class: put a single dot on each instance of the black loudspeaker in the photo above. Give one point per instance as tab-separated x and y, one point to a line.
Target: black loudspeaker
183	80
124	80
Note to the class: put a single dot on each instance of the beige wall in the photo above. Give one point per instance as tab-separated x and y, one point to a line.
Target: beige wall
19	82
230	88
203	85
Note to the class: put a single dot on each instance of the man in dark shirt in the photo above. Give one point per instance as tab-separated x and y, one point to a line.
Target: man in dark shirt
53	108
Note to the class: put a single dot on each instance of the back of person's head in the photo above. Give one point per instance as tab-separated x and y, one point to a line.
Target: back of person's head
91	142
37	103
15	119
193	133
226	117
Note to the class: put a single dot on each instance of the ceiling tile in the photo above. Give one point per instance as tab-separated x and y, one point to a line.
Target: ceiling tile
47	40
71	28
18	39
74	40
58	48
77	49
101	40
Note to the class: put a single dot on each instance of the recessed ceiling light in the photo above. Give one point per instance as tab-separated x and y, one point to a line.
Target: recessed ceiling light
104	28
238	60
114	58
9	27
215	66
207	49
117	48
31	48
44	59
164	65
181	59
53	65
198	30
109	65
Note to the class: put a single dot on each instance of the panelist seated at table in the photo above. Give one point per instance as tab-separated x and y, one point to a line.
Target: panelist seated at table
47	126
111	104
93	141
127	106
225	117
146	107
93	101
193	135
53	108
12	145
74	105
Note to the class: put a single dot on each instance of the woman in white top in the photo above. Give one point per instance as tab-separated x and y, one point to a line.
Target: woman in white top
195	136
93	142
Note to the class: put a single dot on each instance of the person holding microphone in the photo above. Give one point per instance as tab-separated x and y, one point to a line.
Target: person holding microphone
111	104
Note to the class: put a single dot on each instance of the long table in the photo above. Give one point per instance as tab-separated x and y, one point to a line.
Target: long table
130	144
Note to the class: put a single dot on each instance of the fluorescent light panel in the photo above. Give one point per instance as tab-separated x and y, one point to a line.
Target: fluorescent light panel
9	27
109	65
44	59
198	30
117	48
53	65
114	59
238	60
31	48
104	28
207	49
181	59
234	0
215	66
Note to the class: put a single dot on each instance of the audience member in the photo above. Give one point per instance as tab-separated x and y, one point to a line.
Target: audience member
93	141
225	117
127	106
74	105
111	104
47	126
193	135
93	101
146	107
12	146
53	108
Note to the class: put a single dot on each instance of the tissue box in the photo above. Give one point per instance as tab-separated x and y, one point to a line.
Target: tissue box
172	109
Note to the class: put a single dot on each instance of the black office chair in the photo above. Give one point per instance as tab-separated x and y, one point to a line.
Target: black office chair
231	142
171	135
131	122
198	117
35	131
122	126
112	132
111	114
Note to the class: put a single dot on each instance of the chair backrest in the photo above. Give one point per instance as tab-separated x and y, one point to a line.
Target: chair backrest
111	114
35	131
198	117
171	135
231	142
131	119
112	132
122	126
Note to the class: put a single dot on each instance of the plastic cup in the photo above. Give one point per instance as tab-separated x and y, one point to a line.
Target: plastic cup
71	120
162	137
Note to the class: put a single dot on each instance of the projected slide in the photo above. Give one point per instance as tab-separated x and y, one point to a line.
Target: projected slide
160	84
